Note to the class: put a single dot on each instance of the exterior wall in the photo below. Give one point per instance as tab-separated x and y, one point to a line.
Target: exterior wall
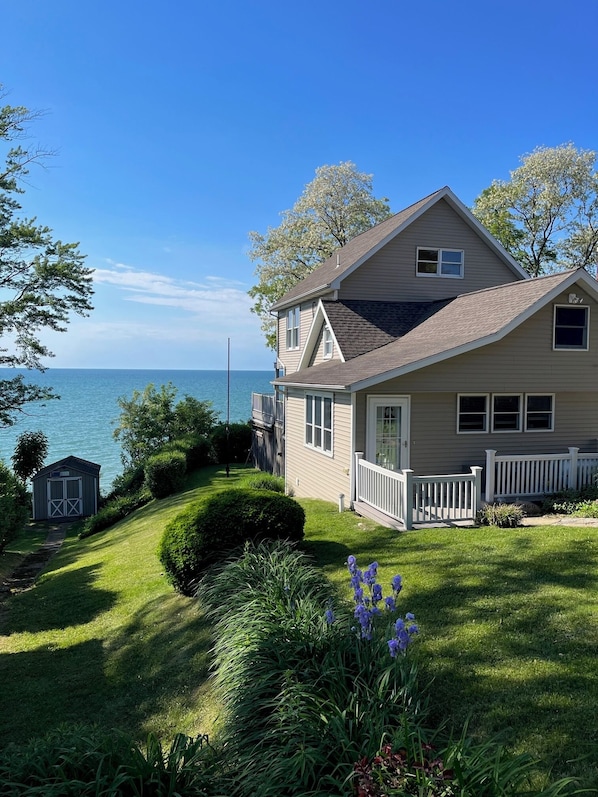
90	491
290	358
524	362
318	352
311	473
390	275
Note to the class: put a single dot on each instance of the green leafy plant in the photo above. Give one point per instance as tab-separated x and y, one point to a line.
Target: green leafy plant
505	516
14	506
231	442
114	510
165	473
264	481
84	761
207	530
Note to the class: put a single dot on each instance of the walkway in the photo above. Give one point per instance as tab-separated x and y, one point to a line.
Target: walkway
24	575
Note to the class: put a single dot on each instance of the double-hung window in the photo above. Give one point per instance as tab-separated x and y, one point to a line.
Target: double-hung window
539	413
439	262
506	413
318	422
571	327
293	321
473	413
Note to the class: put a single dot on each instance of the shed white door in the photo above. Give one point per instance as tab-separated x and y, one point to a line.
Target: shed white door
388	431
65	497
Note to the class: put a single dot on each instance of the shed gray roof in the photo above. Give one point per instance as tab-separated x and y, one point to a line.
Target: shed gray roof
356	251
361	326
84	465
467	322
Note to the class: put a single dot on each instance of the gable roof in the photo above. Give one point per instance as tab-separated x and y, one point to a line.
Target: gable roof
71	461
328	276
361	326
468	322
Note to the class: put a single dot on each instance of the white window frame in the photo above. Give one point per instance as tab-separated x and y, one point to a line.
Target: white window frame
527	412
486	413
519	398
439	261
293	328
327	343
586	345
318	435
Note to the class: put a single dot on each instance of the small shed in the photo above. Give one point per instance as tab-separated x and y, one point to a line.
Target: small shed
67	489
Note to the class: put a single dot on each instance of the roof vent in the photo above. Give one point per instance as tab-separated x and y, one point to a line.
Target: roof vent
338	259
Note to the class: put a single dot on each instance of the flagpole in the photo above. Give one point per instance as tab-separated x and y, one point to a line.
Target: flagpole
227	407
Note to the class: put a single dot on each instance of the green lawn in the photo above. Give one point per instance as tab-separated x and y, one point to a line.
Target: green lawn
508	620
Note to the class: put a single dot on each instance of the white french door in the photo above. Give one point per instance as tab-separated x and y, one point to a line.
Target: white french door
65	497
387	437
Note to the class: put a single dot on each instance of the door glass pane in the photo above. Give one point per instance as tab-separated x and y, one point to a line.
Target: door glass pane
56	490
72	488
388	437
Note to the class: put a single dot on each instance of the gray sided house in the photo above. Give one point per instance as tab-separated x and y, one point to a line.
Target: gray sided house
423	369
66	490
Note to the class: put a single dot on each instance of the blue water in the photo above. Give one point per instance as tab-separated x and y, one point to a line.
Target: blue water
83	420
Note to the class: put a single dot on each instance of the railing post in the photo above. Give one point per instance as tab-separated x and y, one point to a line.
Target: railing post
408	499
490	474
573	452
476	471
355	478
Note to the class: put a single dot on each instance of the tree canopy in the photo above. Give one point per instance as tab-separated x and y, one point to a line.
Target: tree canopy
42	280
29	454
152	417
546	215
335	206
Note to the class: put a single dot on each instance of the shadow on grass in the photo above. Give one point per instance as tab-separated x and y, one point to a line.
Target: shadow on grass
66	599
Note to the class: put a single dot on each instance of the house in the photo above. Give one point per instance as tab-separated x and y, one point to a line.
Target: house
66	490
421	347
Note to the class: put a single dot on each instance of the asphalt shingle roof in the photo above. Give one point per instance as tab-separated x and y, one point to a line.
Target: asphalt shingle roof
477	317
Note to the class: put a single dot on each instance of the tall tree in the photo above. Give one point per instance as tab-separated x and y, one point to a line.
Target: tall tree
42	280
546	215
336	206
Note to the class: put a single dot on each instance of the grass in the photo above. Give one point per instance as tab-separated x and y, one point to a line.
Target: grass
507	617
103	638
16	550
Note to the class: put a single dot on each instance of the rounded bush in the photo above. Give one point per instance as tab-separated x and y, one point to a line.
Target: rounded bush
165	473
205	531
196	448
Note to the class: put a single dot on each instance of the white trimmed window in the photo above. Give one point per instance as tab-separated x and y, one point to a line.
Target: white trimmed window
506	413
539	413
472	414
571	324
327	343
318	422
293	322
439	262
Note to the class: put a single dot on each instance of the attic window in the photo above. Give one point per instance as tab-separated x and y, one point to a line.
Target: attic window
293	321
571	327
327	340
439	262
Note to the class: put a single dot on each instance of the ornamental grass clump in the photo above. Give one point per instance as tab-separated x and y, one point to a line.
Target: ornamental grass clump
305	693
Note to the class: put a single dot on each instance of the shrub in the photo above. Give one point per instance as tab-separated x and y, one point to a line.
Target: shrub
238	446
206	530
505	516
568	502
130	481
196	448
114	510
14	506
85	761
165	473
263	481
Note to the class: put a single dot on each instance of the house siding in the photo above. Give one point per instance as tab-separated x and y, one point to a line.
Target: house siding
389	275
318	352
523	362
290	358
311	473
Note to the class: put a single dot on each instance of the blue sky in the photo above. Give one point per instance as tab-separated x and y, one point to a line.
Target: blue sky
182	126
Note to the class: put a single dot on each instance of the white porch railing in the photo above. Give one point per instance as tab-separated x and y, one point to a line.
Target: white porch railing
411	499
529	476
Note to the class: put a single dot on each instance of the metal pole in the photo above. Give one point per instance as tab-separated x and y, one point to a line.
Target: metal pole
228	409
